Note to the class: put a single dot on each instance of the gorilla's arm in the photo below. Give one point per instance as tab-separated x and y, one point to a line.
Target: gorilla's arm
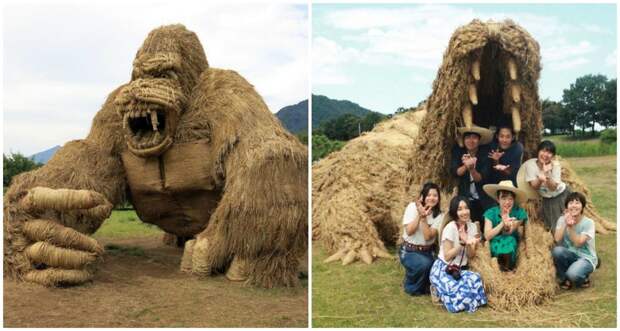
262	216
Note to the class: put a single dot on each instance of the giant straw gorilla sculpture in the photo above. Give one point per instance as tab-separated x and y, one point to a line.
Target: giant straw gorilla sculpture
196	151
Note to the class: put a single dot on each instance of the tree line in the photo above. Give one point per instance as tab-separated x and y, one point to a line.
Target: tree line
588	102
14	164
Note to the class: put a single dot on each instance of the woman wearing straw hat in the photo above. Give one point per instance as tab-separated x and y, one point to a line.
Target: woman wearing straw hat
456	287
543	174
470	164
502	222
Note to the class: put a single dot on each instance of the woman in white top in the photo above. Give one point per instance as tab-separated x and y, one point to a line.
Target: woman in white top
544	174
421	223
457	288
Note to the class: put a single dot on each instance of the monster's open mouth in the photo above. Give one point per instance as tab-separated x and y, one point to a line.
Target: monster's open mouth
494	91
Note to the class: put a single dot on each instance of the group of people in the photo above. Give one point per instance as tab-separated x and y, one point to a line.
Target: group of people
486	209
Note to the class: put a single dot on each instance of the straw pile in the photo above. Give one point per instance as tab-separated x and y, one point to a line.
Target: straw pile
249	193
359	191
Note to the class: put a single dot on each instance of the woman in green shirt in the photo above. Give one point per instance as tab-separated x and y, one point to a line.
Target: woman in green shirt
502	222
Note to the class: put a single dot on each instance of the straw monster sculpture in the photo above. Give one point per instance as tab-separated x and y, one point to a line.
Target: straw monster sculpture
489	75
196	151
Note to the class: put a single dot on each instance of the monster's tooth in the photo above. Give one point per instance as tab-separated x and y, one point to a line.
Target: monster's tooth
515	91
154	120
516	119
468	118
125	120
473	94
512	69
475	70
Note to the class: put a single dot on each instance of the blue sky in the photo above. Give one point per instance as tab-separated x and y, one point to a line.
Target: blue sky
387	56
62	58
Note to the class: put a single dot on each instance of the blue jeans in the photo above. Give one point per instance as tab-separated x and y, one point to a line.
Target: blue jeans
417	269
569	265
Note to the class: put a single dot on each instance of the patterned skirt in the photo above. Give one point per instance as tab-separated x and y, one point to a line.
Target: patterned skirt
466	293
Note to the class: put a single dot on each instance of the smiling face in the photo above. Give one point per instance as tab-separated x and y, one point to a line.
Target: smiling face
471	141
575	208
545	156
504	137
463	212
165	70
432	198
506	200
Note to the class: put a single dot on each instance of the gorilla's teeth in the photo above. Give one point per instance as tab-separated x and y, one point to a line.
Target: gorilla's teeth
515	91
512	69
475	70
154	122
468	116
473	94
516	119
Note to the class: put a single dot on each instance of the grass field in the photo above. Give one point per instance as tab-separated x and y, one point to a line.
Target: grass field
371	296
569	147
126	224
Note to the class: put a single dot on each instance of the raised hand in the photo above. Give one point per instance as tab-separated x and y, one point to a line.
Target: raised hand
463	234
546	168
496	155
569	219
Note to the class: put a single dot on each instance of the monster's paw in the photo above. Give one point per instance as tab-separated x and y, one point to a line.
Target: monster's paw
365	251
46	252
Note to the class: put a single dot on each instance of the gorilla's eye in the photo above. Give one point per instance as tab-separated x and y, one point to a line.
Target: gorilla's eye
168	74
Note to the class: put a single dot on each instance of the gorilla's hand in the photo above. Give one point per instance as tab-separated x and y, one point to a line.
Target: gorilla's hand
46	251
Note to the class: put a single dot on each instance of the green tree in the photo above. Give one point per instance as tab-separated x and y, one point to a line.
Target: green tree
370	120
14	164
552	116
303	137
322	146
582	101
344	127
608	105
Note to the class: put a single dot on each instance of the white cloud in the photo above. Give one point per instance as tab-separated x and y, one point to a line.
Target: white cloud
328	59
418	36
68	57
612	58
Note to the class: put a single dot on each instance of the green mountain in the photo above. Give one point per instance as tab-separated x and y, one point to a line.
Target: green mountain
295	117
325	109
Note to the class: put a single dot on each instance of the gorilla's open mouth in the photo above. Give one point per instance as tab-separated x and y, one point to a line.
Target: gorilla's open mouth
150	110
147	128
494	92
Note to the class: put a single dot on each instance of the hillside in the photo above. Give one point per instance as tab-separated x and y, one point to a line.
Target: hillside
325	109
294	117
44	156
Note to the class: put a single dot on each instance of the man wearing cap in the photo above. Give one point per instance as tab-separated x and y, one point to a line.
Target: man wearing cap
470	164
502	222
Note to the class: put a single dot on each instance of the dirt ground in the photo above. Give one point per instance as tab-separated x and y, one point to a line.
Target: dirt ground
139	285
